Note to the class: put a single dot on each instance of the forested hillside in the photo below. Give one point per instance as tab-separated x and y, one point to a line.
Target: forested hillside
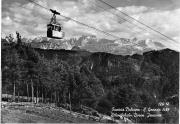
98	80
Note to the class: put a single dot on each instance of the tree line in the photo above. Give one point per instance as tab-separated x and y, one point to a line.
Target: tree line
26	73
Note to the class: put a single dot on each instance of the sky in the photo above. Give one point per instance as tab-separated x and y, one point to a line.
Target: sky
31	20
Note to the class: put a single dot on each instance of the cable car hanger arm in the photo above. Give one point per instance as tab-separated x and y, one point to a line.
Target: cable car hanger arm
55	12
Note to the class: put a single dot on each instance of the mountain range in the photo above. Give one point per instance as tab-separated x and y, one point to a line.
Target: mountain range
122	46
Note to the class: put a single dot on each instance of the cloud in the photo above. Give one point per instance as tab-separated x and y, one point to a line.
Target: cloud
133	9
7	21
166	22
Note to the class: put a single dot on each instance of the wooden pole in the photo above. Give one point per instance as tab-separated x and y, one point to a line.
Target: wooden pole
27	86
32	88
18	96
14	93
37	94
42	95
70	100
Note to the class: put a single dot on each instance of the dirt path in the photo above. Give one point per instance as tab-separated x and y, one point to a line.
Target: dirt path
17	116
22	114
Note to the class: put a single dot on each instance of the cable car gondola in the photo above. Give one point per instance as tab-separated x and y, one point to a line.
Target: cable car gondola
54	29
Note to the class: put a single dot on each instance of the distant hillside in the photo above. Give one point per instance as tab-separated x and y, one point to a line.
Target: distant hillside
152	66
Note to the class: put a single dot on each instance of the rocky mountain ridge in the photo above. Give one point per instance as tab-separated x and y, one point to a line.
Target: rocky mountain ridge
122	46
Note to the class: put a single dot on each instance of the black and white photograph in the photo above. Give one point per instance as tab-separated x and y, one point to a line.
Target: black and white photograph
90	61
